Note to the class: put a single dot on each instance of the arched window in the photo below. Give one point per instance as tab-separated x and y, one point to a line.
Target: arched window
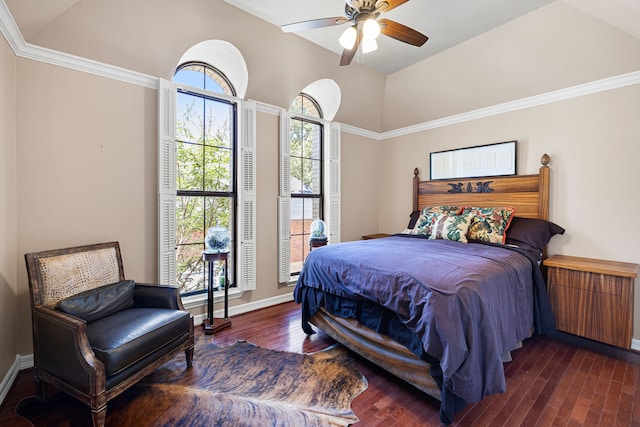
309	178
305	154
204	76
305	105
204	179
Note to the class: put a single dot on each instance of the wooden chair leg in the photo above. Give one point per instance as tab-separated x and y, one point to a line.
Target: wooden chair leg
188	354
99	416
41	387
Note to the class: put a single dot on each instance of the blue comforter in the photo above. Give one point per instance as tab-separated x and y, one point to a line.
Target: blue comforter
468	304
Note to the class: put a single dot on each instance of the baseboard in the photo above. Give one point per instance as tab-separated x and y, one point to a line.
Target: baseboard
635	345
245	308
8	379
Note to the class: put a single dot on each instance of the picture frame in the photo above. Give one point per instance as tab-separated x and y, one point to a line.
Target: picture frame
497	159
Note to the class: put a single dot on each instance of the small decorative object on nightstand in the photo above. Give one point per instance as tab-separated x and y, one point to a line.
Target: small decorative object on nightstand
592	298
375	236
317	236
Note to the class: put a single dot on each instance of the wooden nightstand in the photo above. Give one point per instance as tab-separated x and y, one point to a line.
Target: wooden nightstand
592	298
375	236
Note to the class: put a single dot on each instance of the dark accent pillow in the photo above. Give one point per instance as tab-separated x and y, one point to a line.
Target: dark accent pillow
413	218
532	234
100	302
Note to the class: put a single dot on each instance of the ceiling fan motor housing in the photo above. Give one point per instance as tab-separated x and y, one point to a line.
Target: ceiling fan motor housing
362	4
364	10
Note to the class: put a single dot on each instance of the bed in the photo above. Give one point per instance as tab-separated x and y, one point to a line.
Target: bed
433	307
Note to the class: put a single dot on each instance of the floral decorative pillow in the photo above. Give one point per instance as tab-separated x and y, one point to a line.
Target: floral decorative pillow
489	224
429	215
450	227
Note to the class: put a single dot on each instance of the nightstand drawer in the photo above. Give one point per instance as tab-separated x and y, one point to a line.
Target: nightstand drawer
581	281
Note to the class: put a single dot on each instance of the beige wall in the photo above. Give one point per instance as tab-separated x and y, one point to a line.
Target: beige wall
87	163
8	256
360	179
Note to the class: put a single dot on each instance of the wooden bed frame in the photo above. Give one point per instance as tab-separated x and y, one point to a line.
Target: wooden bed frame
529	194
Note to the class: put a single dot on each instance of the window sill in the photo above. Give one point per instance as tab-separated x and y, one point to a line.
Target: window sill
292	282
200	300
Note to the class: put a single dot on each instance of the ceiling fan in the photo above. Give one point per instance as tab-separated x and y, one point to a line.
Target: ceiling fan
363	14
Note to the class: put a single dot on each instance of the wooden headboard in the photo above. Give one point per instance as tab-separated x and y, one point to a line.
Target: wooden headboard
529	194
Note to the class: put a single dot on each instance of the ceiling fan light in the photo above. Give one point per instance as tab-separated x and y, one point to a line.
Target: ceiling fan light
369	45
370	29
348	38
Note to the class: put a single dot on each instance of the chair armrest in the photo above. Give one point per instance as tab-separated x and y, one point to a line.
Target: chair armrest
62	349
157	296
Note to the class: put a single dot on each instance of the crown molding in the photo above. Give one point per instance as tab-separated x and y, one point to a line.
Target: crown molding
590	88
87	66
267	108
9	28
521	104
22	49
362	132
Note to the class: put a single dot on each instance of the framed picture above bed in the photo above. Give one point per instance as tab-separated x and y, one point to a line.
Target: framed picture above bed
497	159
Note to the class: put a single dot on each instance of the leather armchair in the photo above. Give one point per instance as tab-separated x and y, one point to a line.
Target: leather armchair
96	334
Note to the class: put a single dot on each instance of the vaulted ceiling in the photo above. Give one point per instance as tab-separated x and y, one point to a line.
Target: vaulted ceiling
446	22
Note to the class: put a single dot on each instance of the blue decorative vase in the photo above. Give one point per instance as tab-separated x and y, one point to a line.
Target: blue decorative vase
217	239
318	231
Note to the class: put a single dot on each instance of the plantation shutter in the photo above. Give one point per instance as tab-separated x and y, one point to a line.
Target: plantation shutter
332	170
247	196
167	182
284	201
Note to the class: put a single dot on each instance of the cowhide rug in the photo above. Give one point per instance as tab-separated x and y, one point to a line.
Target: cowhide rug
237	385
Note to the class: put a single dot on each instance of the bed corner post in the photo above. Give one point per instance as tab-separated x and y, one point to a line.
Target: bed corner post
416	182
543	187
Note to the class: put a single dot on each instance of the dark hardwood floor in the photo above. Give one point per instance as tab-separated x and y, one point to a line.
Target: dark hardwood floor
552	381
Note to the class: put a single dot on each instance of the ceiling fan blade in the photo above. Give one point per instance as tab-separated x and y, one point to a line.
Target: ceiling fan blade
348	54
313	23
402	32
390	4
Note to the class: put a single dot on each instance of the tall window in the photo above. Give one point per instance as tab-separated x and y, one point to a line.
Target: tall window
306	165
206	146
310	148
